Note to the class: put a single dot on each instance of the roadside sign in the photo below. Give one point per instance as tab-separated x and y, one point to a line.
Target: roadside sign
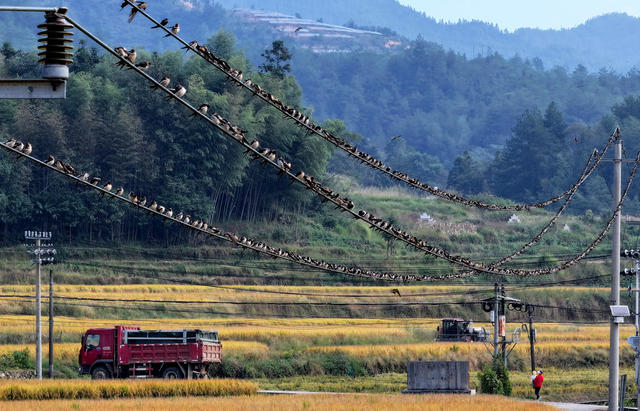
634	341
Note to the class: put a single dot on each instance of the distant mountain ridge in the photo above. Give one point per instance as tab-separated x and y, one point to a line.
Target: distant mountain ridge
606	41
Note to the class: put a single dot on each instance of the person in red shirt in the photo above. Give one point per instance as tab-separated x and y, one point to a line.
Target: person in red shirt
537	384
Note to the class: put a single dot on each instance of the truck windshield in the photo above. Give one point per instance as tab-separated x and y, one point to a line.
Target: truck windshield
93	340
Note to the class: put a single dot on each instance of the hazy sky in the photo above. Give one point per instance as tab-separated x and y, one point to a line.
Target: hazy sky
513	14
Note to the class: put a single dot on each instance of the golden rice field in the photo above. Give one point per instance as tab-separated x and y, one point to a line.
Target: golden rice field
87	389
317	402
201	293
68	352
383	344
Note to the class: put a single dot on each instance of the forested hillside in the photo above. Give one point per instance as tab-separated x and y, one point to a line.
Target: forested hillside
490	125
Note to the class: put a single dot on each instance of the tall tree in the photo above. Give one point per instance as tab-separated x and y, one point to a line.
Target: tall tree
276	59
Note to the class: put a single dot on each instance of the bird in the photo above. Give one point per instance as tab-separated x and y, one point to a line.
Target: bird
27	149
124	4
142	5
298	29
396	137
142	201
95	180
300	175
203	109
19	146
164	82
58	164
143	65
84	177
178	91
169	213
122	51
132	197
575	139
120	191
153	205
192	44
180	216
10	143
50	160
69	169
160	209
130	56
272	155
396	291
108	186
175	29
187	219
163	23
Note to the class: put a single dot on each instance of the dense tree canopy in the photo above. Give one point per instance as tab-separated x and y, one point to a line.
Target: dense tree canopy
113	126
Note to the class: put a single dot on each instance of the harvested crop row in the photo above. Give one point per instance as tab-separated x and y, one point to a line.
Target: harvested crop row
74	389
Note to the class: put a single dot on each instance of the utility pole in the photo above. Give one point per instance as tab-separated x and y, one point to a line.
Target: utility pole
50	323
495	322
532	337
637	374
614	334
503	338
38	253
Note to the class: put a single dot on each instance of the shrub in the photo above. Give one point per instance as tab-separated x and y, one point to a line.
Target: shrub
494	379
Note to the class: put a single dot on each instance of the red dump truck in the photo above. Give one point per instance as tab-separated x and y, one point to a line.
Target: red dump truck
129	352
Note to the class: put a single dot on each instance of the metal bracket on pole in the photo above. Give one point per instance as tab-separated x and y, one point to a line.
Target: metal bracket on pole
18	88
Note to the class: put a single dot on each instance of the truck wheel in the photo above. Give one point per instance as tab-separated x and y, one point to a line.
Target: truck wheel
172	373
100	373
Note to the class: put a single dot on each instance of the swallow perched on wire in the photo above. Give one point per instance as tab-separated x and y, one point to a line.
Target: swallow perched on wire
131	57
106	187
175	29
27	149
50	160
164	82
143	65
124	4
69	169
19	146
192	45
178	91
142	5
11	142
95	180
163	23
120	191
203	109
169	213
58	164
122	51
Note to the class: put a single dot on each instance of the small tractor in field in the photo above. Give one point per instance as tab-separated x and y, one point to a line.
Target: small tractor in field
457	329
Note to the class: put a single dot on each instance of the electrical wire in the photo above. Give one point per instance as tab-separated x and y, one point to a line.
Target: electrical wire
352	151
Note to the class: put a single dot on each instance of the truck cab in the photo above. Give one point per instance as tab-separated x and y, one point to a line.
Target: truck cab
98	350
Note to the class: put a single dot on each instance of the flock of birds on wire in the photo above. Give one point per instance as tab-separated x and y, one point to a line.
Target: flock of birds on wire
302	119
153	206
268	155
